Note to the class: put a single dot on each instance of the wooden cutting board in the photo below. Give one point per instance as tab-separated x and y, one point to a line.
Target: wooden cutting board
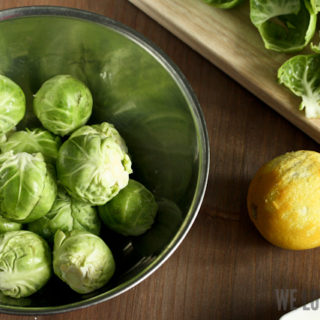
229	40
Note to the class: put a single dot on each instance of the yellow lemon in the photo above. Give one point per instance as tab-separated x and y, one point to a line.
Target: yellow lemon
284	200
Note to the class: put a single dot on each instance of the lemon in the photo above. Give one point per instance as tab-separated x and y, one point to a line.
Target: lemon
284	200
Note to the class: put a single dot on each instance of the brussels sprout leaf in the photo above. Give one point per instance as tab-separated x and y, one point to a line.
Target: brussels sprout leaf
301	75
285	26
315	5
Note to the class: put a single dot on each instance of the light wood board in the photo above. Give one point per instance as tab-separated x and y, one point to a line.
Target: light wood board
229	40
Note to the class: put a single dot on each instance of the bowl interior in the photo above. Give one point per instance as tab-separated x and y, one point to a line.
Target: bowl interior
137	90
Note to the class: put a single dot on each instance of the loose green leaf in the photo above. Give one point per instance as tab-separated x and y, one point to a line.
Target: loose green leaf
285	26
301	75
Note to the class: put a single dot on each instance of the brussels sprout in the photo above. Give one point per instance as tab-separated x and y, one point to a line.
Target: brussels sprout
63	104
33	141
66	214
301	75
224	4
27	186
12	104
284	26
166	224
93	164
25	263
82	260
7	225
131	212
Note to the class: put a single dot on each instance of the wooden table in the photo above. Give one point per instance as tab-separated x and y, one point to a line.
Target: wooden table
223	269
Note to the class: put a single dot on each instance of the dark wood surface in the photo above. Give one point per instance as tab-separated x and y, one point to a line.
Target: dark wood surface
223	269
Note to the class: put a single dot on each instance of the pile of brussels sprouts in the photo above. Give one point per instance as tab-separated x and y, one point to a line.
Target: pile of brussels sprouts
53	195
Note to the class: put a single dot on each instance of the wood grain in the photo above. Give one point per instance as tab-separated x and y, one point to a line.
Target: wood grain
223	269
231	42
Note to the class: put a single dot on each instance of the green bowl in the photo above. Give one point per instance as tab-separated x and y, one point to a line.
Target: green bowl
137	88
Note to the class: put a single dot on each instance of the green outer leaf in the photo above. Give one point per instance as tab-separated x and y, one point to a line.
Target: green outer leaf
20	302
33	141
25	263
22	178
82	260
7	225
85	217
47	197
263	10
12	104
301	75
66	214
28	187
63	104
224	4
289	32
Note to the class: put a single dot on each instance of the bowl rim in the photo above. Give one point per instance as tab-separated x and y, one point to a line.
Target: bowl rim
202	140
